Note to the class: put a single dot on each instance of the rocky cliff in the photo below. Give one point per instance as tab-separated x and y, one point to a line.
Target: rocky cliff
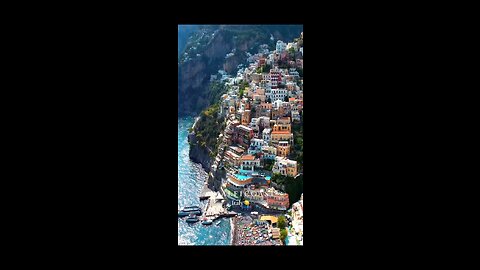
199	154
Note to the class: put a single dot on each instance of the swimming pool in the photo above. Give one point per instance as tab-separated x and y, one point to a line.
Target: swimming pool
242	177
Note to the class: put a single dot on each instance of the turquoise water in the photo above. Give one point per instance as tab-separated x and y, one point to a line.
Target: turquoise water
191	177
244	177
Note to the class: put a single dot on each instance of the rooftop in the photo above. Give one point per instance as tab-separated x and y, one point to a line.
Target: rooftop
248	157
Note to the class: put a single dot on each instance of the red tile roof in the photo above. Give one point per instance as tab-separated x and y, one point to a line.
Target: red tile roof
248	157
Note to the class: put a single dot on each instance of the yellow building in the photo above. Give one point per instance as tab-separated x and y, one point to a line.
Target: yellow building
281	136
283	148
282	125
292	170
285	166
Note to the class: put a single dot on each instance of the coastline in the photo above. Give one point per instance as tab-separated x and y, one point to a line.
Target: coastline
234	231
194	123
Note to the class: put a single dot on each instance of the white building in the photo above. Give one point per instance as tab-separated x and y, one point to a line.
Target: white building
297	220
293	72
280	46
295	116
283	166
267	135
269	152
291	45
257	143
248	163
263	122
255	146
276	94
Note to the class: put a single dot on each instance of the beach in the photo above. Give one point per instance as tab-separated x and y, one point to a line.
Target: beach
247	233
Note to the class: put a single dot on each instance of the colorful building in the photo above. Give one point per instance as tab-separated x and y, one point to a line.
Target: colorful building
248	163
283	148
281	136
285	167
276	199
243	135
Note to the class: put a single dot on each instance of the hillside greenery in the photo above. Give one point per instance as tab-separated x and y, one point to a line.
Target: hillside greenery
292	186
217	89
297	151
208	127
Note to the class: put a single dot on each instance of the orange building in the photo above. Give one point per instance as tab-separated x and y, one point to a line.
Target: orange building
281	136
246	117
283	148
284	121
277	199
266	106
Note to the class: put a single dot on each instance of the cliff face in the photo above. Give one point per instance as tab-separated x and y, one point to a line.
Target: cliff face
184	32
199	154
215	179
194	75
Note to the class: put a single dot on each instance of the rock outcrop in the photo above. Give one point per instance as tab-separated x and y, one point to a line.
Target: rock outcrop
199	154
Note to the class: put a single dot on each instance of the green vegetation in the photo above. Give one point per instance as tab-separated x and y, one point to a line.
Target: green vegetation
300	72
208	127
268	164
267	68
216	90
297	153
283	235
292	186
282	222
241	88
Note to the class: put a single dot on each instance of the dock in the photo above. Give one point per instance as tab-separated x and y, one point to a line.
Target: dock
206	193
214	209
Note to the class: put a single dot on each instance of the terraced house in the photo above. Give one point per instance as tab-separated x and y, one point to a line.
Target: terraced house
285	167
249	163
276	199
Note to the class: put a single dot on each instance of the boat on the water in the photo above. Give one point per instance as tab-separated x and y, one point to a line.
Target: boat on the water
181	213
207	222
185	211
217	223
192	218
191	208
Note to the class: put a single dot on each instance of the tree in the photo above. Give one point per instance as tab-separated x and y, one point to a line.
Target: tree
283	235
282	222
268	164
285	99
267	68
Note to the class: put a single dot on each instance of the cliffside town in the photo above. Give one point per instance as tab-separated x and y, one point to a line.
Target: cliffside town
251	140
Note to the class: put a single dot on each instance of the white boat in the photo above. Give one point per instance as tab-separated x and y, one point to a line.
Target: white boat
217	223
207	222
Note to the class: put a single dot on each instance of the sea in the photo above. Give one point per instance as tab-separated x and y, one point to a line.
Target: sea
191	178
